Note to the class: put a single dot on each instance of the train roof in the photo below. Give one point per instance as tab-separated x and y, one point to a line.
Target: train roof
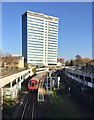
38	76
33	80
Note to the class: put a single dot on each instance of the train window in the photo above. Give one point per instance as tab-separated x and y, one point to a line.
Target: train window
32	84
81	77
29	83
88	79
35	83
70	73
77	75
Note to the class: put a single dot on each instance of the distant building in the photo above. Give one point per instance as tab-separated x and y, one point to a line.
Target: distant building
39	38
19	62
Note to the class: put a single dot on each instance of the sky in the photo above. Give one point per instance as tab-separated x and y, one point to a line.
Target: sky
75	26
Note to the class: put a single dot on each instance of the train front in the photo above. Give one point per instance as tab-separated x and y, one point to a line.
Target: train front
33	85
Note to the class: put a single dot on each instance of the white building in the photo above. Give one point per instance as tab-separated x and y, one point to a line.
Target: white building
39	38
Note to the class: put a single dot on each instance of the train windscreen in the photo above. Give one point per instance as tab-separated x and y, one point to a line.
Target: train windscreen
32	84
29	83
35	83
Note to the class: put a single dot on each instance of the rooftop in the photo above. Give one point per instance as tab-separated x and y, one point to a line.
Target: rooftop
41	15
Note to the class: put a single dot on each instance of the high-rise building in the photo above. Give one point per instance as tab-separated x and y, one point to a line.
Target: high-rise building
39	38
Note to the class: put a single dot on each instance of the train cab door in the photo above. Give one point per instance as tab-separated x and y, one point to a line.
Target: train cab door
33	84
29	84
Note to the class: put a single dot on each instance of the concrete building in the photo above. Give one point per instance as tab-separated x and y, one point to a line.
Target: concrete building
39	38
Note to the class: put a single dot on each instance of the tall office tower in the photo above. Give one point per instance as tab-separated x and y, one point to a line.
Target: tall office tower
39	38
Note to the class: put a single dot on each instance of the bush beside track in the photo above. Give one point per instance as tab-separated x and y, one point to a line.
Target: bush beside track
58	105
10	104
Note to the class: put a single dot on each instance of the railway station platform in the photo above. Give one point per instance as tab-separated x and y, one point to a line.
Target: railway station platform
41	93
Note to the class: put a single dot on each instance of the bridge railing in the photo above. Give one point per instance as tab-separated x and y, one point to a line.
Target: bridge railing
40	70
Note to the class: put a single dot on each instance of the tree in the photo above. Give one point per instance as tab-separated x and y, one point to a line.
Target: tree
92	62
67	63
62	60
79	61
58	59
88	65
86	60
78	57
10	61
72	63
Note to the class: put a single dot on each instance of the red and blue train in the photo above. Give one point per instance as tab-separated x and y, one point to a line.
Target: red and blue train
33	84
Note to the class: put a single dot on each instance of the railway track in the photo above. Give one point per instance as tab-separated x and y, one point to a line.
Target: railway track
84	101
86	108
29	107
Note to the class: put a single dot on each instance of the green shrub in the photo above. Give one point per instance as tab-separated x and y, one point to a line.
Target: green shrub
16	67
19	93
8	104
11	67
6	69
26	67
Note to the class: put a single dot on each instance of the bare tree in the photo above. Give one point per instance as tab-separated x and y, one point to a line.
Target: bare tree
78	57
10	61
67	63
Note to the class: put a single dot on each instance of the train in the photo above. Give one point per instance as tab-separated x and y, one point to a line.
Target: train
33	84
